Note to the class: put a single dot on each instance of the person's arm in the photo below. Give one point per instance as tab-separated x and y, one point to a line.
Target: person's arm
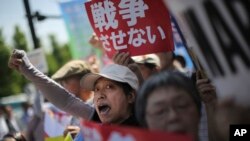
51	90
208	96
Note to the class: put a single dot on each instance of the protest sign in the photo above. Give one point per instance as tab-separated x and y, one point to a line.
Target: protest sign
219	33
78	27
68	137
138	27
37	58
55	122
59	138
97	132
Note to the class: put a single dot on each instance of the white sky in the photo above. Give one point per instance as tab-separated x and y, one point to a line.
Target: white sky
12	12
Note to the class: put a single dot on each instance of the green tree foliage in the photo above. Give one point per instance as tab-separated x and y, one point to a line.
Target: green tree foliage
59	56
19	39
52	64
9	82
56	50
65	53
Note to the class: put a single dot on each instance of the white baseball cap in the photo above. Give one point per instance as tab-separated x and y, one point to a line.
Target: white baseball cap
149	58
114	72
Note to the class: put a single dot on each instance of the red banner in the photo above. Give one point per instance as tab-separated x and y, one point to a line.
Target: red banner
98	132
139	27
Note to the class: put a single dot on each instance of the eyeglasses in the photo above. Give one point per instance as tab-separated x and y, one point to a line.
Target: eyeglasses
165	112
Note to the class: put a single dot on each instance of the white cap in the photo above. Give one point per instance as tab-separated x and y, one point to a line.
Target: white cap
114	72
149	58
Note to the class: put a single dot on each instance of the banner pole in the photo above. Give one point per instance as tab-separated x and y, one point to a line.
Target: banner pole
193	57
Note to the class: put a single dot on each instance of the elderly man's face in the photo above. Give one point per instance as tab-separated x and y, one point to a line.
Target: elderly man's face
72	84
173	110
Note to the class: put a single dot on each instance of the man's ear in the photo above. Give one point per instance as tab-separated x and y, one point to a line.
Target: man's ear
131	97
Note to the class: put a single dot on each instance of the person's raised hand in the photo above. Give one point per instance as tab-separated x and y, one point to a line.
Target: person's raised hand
206	89
16	59
73	130
122	58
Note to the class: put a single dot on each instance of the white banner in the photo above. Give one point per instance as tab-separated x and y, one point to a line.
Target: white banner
37	58
218	30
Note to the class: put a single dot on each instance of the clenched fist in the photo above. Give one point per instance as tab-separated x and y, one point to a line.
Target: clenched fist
16	59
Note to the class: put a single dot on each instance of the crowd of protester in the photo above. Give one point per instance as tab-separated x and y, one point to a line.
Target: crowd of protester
152	91
135	92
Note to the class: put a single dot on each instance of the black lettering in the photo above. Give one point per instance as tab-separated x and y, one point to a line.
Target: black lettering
243	28
204	44
230	49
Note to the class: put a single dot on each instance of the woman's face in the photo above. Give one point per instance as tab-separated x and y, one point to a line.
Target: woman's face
111	103
173	110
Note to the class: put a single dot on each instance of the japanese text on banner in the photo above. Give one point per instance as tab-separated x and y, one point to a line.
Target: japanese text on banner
139	27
